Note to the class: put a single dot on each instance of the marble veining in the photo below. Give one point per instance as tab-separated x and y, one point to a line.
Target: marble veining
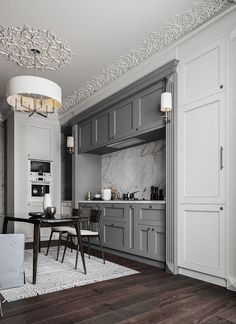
136	169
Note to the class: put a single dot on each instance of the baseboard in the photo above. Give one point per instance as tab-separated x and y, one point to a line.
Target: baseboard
202	276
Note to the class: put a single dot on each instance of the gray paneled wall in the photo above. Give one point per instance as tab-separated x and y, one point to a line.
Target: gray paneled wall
1	173
136	168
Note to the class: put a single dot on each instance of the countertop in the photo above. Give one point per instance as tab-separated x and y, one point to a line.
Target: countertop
121	201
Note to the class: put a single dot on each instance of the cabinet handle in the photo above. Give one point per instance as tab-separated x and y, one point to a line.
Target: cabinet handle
221	86
221	157
130	206
221	208
112	224
152	229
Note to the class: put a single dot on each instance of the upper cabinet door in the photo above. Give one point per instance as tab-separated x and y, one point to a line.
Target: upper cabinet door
123	116
40	142
202	74
85	131
202	151
102	126
148	105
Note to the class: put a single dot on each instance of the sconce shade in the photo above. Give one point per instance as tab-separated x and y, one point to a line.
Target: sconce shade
166	101
70	142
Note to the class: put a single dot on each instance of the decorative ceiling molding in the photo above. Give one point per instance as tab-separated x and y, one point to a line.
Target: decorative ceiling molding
176	29
16	44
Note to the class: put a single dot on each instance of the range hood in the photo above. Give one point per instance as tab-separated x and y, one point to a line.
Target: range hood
126	143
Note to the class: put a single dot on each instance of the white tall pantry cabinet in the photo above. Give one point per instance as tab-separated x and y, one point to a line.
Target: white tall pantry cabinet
31	138
202	164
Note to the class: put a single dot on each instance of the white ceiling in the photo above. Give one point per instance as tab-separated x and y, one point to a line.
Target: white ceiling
97	31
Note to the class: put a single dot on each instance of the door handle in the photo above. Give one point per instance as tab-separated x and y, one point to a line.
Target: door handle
221	157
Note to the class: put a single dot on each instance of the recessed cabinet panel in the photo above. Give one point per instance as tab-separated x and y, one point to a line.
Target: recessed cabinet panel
149	100
115	235
143	239
40	142
85	135
148	214
115	212
202	74
123	119
202	238
102	128
202	151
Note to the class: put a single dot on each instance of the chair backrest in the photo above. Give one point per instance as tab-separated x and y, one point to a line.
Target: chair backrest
11	260
95	216
76	211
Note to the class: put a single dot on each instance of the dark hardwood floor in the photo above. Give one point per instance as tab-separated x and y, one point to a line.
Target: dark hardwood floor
152	296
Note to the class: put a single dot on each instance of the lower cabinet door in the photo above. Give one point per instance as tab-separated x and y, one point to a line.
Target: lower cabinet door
150	242
202	238
115	235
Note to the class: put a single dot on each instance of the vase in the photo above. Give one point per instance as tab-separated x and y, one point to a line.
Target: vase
47	202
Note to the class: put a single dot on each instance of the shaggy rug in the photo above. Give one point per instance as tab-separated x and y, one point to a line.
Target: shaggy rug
53	275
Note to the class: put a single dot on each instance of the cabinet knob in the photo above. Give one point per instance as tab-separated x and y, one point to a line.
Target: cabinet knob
148	228
136	129
221	86
221	208
152	229
130	206
112	224
150	206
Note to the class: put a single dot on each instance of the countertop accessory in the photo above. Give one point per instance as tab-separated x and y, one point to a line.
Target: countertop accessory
50	212
106	194
47	202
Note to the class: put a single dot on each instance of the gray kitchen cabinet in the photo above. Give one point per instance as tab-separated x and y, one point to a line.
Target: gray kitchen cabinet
115	235
151	214
150	242
85	135
148	105
123	119
102	128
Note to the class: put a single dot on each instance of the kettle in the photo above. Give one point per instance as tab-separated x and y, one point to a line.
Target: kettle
106	194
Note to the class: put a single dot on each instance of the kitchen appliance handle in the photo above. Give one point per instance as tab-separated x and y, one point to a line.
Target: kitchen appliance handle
221	157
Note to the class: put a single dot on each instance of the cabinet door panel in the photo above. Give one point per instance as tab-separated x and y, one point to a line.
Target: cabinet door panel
202	74
115	235
123	119
202	238
158	243
85	135
102	128
40	142
151	214
202	143
115	212
143	241
149	114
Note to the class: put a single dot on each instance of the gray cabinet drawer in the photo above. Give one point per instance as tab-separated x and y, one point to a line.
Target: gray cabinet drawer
115	212
115	235
151	214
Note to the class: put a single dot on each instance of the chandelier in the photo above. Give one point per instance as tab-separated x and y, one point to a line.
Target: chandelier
33	94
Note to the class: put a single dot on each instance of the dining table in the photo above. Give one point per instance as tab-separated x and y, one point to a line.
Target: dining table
42	222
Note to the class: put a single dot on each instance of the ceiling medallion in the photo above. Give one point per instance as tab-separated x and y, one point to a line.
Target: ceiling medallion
162	38
16	44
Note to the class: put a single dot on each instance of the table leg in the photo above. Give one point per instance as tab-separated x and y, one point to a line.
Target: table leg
77	227
5	222
35	251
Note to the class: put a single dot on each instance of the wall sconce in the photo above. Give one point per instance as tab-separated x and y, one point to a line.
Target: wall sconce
70	144
166	105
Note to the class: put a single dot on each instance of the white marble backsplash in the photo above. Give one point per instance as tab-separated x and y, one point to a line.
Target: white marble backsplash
136	169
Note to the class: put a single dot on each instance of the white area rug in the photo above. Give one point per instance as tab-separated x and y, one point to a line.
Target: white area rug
54	276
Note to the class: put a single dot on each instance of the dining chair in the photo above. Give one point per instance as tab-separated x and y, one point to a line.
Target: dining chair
94	219
61	230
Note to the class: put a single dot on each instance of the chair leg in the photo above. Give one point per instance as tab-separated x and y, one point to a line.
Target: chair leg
71	242
58	247
67	238
1	311
77	254
39	241
24	278
49	242
89	246
100	241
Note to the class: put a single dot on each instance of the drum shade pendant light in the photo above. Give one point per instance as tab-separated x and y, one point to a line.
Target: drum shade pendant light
32	94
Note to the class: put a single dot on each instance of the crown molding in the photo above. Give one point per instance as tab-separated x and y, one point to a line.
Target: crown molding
16	44
178	28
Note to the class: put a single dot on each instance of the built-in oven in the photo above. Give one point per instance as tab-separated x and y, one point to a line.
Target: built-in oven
37	189
40	170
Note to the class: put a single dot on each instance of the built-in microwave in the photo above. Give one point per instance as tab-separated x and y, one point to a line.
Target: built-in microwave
40	170
37	189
